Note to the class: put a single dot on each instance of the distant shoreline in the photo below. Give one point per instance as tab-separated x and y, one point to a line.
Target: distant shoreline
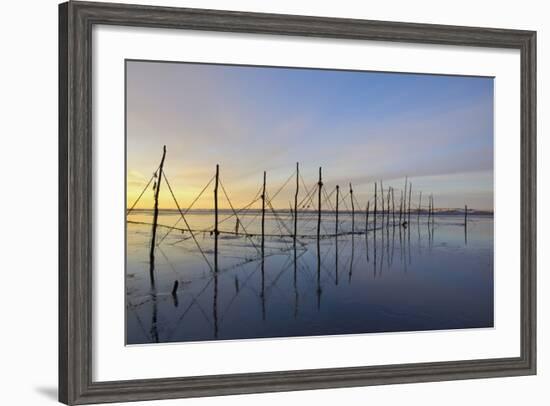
439	212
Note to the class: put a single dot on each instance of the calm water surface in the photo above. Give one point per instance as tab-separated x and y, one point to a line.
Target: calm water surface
425	277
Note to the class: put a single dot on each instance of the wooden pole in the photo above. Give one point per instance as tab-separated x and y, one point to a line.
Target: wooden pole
375	204
383	205
263	215
405	200
155	217
175	293
409	213
175	288
337	198
336	234
320	186
352	209
216	231
367	220
429	208
388	211
465	225
400	208
393	207
296	203
419	206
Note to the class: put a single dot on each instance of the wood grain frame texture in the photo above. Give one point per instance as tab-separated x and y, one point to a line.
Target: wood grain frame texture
76	20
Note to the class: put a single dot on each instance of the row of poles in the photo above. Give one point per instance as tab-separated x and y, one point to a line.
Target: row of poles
387	201
387	209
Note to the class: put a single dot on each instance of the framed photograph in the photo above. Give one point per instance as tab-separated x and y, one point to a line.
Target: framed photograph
257	202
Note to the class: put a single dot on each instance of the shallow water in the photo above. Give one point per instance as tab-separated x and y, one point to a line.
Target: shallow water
431	275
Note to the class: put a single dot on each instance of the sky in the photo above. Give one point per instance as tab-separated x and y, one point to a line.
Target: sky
360	127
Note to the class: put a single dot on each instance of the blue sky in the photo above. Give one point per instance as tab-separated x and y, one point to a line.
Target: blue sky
360	127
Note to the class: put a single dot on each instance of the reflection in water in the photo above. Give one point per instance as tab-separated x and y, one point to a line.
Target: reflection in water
351	257
418	283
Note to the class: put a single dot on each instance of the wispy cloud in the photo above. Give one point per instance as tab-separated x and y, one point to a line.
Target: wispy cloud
359	127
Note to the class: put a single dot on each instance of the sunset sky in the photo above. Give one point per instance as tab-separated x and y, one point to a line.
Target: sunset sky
360	127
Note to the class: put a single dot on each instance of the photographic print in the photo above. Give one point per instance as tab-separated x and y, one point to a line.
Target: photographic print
267	202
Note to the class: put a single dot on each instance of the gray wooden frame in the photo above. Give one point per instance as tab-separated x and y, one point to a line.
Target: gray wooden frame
76	20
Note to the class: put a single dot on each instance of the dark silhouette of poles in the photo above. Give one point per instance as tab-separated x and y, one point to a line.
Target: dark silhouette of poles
295	283
216	235
367	218
336	222
319	187
465	224
409	210
400	208
295	236
383	205
155	219
352	209
175	293
262	294
263	216
388	209
318	274
216	231
393	207
296	203
405	201
154	315
429	208
215	304
419	206
336	234
375	205
367	229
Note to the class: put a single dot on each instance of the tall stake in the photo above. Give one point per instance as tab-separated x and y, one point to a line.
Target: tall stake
419	206
367	220
405	199
383	204
262	292
352	209
216	231
320	186
400	208
429	207
375	204
465	225
393	207
409	213
388	212
336	223
296	203
263	216
155	217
